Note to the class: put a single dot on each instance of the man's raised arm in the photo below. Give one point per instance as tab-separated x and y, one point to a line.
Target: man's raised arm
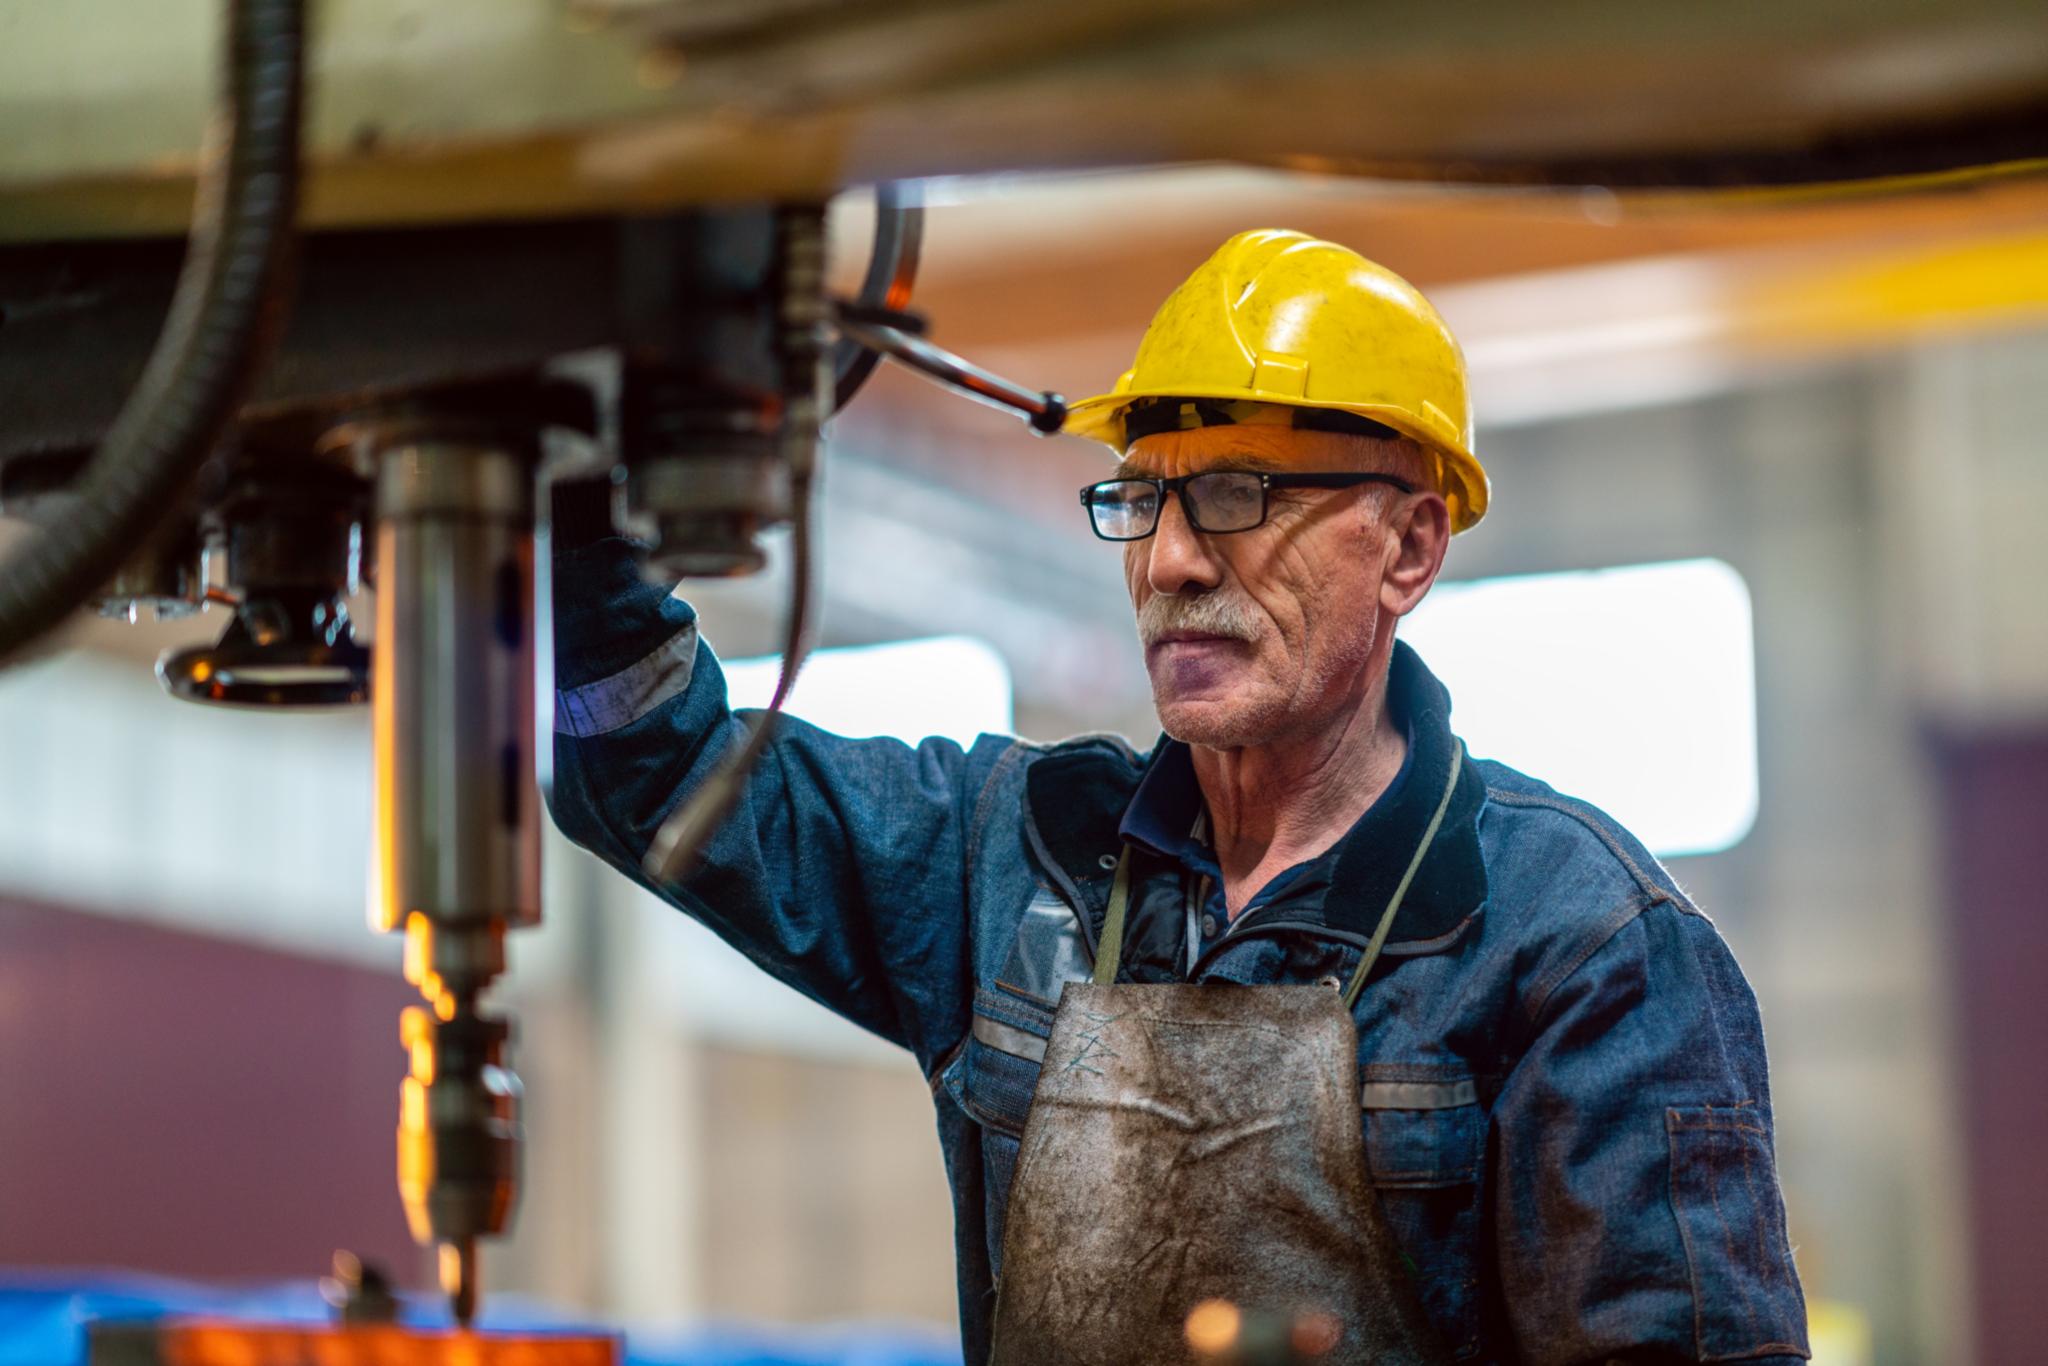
841	871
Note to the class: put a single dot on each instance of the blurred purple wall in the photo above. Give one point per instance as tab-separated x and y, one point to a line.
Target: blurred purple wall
1996	809
184	1104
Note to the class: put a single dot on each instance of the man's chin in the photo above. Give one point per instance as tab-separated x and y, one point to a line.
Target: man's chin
1211	723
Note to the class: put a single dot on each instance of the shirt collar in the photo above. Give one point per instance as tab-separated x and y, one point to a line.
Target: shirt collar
1165	808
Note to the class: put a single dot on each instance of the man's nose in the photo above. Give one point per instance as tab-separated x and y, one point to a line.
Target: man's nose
1181	558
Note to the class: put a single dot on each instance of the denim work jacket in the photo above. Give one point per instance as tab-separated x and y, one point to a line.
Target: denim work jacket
1565	1110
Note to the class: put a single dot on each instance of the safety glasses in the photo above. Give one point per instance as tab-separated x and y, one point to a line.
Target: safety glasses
1217	502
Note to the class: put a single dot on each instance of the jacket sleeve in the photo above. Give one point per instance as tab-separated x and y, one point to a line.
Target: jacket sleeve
1638	1216
842	870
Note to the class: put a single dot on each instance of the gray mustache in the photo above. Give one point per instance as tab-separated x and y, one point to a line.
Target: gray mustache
1210	614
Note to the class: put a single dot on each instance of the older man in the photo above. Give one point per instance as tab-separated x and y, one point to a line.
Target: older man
1303	1009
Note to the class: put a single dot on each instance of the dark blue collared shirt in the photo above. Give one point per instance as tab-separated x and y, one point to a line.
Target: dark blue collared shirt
1167	816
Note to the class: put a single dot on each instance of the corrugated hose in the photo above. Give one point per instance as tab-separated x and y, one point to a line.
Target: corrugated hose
224	318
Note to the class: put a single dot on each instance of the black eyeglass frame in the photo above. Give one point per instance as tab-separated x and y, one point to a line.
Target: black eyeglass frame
1267	483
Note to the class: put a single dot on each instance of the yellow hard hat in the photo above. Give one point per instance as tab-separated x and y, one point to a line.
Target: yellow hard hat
1281	317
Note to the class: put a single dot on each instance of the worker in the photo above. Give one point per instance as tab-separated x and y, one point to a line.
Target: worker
1303	1009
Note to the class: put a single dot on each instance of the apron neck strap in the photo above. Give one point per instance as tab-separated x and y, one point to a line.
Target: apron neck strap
1379	934
1110	951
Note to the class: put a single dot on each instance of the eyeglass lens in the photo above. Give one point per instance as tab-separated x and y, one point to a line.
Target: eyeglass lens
1225	500
1124	509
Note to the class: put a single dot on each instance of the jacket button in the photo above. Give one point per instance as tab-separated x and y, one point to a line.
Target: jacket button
1330	982
1106	861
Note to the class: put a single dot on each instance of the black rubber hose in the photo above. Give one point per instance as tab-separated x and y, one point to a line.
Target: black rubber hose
226	313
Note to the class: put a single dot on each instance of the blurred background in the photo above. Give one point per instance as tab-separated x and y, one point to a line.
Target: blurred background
1764	576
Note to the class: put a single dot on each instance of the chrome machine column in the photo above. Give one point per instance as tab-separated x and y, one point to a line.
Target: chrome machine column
458	815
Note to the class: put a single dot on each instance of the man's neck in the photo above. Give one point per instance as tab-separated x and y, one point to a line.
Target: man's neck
1275	805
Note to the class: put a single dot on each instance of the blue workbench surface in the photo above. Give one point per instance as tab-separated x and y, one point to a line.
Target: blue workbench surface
43	1317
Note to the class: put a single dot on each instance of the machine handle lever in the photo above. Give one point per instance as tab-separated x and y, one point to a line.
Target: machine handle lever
896	335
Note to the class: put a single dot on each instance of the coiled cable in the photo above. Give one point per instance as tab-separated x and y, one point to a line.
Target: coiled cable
807	393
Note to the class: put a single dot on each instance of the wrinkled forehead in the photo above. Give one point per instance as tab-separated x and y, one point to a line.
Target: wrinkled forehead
1167	454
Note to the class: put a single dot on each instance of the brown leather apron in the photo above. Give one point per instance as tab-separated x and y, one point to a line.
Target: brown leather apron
1189	1143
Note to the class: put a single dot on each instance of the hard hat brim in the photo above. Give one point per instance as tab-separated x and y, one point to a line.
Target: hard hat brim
1101	419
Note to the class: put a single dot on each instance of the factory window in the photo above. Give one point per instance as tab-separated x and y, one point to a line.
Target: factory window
1633	687
955	686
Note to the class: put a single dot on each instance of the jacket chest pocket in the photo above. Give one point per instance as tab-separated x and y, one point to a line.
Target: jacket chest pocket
1425	1145
1422	1134
996	1076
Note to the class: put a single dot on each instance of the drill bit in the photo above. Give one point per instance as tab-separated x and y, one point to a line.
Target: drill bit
458	1278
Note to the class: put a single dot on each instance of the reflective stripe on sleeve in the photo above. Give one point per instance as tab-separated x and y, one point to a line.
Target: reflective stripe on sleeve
632	692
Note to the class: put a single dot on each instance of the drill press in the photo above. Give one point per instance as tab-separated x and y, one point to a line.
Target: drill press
688	358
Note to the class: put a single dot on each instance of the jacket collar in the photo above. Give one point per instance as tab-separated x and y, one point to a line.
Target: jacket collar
1451	883
1076	797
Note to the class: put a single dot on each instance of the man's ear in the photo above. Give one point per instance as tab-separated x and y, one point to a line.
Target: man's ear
1418	531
